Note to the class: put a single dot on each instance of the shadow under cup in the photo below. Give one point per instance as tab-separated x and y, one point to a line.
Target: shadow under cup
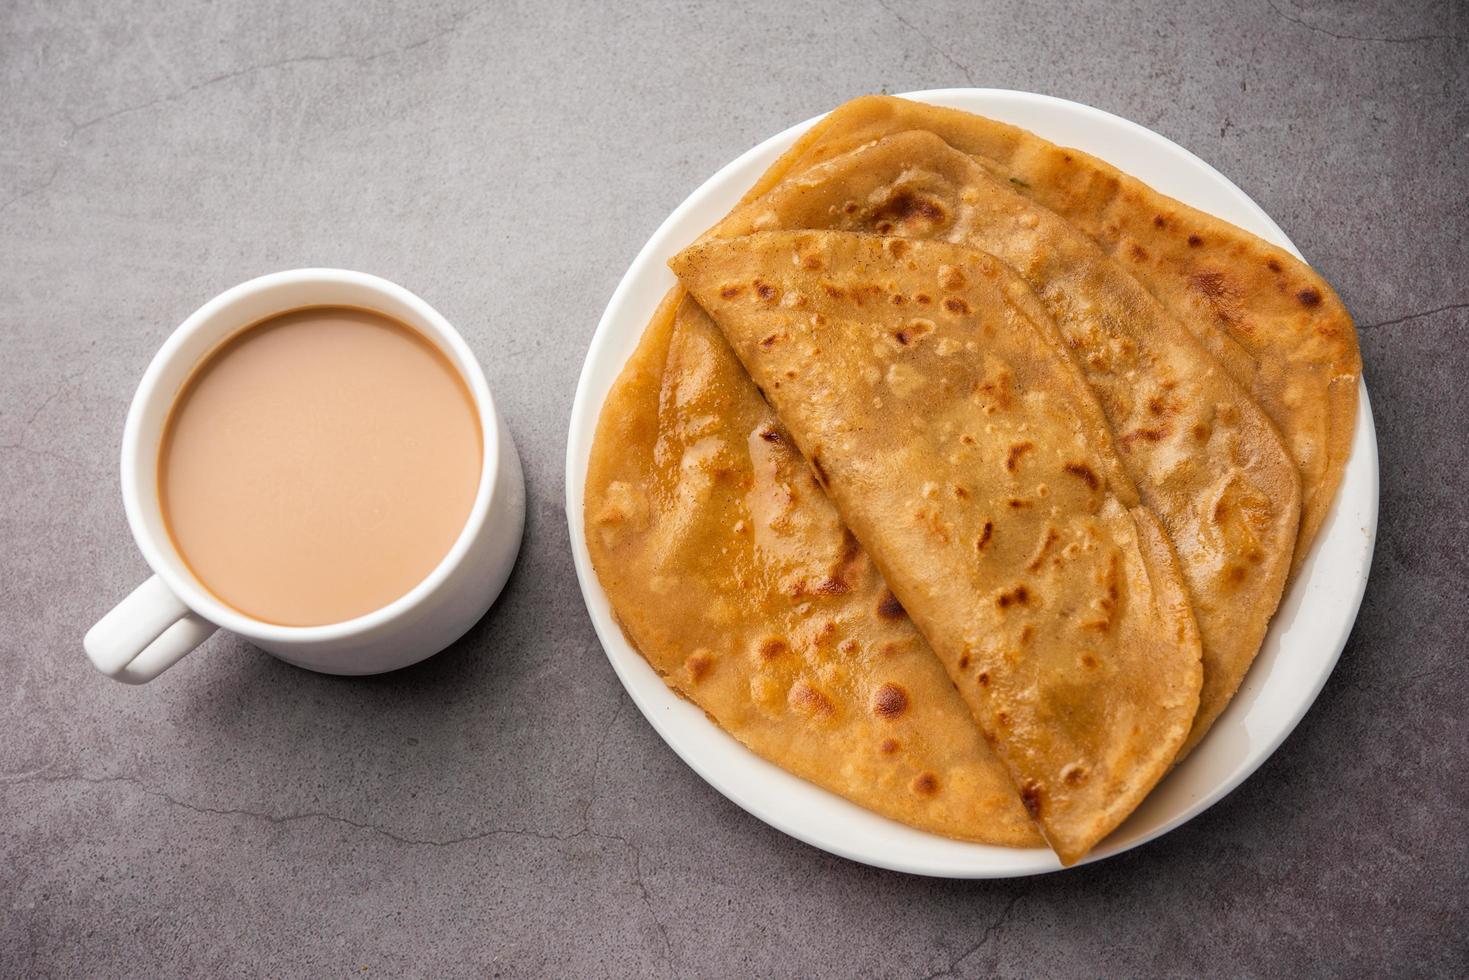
172	613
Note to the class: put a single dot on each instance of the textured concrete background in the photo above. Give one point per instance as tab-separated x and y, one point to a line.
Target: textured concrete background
502	809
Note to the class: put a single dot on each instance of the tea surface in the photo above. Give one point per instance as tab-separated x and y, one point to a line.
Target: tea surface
319	465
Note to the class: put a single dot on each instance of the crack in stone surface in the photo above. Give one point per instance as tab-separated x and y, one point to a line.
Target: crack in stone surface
1412	316
586	831
284	818
635	850
68	383
74	128
1361	37
923	36
984	938
642	887
43	185
597	762
18	447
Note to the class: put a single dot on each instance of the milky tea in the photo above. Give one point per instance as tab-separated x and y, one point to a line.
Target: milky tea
318	465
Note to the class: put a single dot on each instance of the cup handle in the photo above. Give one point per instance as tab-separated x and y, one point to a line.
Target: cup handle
145	634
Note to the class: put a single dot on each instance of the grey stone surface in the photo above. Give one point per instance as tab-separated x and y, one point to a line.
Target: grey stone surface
503	809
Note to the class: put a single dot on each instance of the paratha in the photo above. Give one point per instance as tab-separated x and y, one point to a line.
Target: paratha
1276	326
731	573
1202	454
964	450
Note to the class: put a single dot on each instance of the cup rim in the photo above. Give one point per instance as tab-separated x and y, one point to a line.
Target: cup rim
140	467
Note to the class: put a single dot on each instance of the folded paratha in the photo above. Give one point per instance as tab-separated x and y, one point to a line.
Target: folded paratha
1202	454
1276	326
732	574
925	385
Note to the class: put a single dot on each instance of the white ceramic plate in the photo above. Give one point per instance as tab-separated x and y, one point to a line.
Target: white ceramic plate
1303	644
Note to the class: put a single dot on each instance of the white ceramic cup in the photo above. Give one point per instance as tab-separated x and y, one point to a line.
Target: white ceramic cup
171	613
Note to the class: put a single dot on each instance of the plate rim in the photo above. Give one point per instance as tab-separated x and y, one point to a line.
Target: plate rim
582	425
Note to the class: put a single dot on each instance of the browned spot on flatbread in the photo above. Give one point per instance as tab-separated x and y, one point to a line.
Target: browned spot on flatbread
773	647
809	701
1106	604
1012	458
985	533
1030	795
1156	433
956	306
926	784
1048	538
1018	596
833	586
1210	283
1194	241
888	746
889	701
698	664
905	205
1309	297
915	329
888	607
997	388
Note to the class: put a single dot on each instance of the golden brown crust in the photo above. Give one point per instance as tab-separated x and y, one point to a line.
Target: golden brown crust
733	576
1201	453
1277	327
960	447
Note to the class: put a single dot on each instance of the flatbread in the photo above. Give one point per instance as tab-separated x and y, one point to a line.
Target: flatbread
732	574
1202	454
1276	326
967	455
